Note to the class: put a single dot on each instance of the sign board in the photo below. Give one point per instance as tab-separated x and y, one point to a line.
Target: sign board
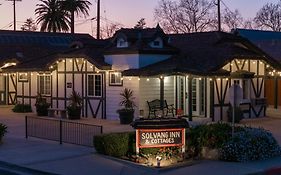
68	85
147	138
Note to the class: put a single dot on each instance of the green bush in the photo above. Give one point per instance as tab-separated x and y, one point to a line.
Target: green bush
250	144
3	131
238	114
115	144
212	136
22	108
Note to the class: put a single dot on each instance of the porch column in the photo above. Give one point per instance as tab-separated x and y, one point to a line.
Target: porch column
275	92
162	95
190	98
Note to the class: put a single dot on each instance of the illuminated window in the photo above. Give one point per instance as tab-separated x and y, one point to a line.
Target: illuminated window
115	79
95	85
44	84
23	77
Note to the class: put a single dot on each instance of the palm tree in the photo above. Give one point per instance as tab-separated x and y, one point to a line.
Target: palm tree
51	16
75	6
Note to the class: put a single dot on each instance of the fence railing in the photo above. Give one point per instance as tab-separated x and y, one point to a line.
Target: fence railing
61	130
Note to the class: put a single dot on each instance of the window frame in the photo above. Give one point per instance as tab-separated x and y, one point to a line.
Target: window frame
115	84
94	85
39	85
25	79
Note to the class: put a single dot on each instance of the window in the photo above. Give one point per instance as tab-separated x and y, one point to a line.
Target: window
121	42
95	85
157	43
115	79
45	84
23	77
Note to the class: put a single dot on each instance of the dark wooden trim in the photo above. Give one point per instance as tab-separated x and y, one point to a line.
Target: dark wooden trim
254	88
104	96
236	64
275	92
86	89
217	90
176	93
212	100
243	65
29	87
83	94
225	90
22	91
65	84
260	88
91	108
97	110
190	98
205	97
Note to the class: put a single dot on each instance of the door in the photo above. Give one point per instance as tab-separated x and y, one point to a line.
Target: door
2	90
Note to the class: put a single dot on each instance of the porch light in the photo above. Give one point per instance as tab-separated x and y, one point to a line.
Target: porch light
254	62
238	62
218	79
63	61
51	67
70	60
210	79
44	74
98	71
147	79
122	78
57	62
139	79
267	66
231	64
274	70
25	74
261	62
91	67
130	78
30	74
200	78
161	77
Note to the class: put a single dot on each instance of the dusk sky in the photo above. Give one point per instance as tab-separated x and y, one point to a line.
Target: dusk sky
126	12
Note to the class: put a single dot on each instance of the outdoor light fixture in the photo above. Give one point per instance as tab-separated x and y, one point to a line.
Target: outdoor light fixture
70	61
267	65
139	79
254	62
63	61
147	79
8	65
91	67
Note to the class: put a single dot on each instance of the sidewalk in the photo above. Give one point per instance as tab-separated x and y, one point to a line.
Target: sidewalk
49	156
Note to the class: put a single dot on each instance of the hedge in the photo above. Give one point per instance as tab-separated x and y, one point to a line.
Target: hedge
22	108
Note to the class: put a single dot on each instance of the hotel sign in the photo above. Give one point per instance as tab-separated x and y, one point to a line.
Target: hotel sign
147	138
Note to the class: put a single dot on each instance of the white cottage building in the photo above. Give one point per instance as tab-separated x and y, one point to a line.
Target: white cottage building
194	72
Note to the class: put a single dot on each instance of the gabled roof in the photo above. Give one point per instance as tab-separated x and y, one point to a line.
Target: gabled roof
269	41
138	41
91	53
25	45
204	53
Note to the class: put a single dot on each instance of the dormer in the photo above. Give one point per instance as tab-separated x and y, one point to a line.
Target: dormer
121	42
156	43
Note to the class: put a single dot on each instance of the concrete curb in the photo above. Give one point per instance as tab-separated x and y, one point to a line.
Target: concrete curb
151	169
21	169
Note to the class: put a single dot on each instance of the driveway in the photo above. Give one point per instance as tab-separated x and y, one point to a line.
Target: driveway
271	123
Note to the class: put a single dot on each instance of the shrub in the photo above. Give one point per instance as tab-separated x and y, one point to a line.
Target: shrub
22	108
212	136
115	144
238	114
3	131
250	144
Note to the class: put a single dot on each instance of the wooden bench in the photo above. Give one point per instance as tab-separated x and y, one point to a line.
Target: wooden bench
51	112
155	106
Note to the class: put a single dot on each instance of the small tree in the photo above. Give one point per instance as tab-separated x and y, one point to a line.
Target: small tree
140	24
29	25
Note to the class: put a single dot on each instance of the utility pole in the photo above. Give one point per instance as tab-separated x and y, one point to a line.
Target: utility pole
98	19
219	15
14	4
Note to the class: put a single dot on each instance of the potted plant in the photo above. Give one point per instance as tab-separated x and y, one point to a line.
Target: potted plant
41	105
75	105
126	114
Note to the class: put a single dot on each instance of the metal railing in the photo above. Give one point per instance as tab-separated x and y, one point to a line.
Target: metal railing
61	130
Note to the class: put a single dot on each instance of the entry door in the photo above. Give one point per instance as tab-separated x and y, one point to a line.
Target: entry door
198	96
2	90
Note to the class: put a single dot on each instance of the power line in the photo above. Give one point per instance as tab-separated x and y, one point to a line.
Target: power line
239	20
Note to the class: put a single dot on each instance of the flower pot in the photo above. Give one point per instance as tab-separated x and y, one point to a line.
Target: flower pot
126	116
74	113
42	110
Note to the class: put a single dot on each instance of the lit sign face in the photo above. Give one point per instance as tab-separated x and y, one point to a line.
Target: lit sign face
160	137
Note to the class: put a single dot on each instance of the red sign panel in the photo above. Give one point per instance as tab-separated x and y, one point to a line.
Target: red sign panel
147	138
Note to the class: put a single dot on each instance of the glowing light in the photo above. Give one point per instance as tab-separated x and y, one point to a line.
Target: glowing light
210	79
254	62
139	79
267	66
70	61
200	78
218	79
161	77
147	79
91	67
63	61
122	78
51	67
